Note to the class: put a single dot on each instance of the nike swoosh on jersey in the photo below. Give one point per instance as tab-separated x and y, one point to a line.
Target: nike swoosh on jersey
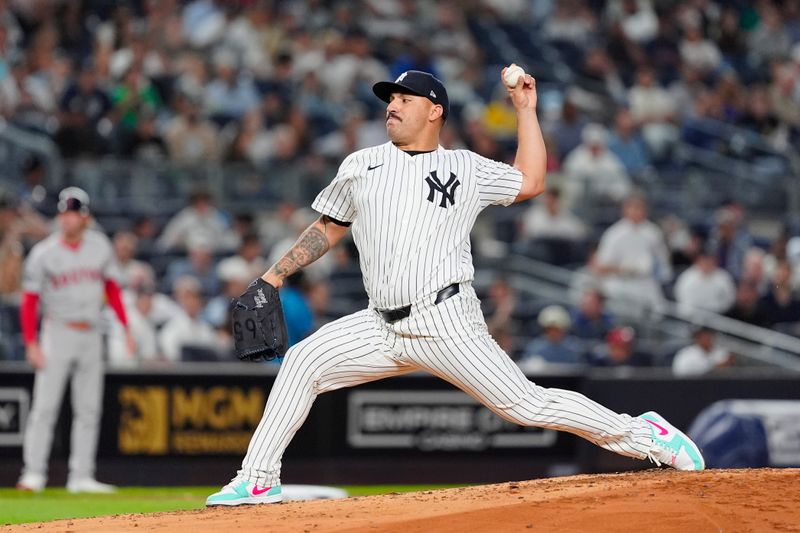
376	166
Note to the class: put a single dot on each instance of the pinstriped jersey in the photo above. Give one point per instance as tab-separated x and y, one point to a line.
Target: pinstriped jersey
71	280
412	215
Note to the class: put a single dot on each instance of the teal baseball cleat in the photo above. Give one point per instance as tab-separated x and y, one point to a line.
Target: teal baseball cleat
672	446
240	492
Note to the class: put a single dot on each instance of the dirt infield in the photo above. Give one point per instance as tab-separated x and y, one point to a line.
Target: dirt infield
651	500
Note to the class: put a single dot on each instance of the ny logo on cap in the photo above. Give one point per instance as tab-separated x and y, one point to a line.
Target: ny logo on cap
401	77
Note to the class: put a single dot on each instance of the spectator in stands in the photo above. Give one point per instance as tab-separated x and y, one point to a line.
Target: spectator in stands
318	295
296	308
234	276
591	320
686	90
263	139
730	37
780	304
783	95
566	131
777	253
731	97
231	93
705	286
199	264
626	54
702	356
125	244
628	145
146	232
770	40
84	125
585	277
11	249
683	243
19	221
27	111
140	327
48	69
697	51
187	329
637	18
730	239
248	256
753	269
200	218
549	220
758	117
554	345
275	225
619	350
353	67
570	22
252	141
632	258
592	168
255	33
663	53
9	90
133	96
602	75
144	143
746	307
161	307
477	135
32	190
356	133
190	138
653	109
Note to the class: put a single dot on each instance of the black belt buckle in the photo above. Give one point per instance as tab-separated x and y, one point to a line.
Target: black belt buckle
393	315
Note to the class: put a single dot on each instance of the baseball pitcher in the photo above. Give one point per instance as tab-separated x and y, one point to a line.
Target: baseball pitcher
411	205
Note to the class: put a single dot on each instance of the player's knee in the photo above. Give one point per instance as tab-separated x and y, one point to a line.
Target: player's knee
87	416
299	364
44	415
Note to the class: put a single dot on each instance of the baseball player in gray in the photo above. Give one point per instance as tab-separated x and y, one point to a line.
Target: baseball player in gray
411	205
71	274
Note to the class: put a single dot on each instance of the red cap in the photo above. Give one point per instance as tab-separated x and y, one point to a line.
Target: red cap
622	335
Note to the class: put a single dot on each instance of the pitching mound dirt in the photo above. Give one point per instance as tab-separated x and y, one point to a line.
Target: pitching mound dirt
651	500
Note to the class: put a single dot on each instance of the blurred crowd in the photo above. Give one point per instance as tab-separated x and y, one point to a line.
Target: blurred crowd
717	268
263	83
260	81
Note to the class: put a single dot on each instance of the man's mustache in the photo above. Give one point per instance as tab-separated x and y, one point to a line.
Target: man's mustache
393	115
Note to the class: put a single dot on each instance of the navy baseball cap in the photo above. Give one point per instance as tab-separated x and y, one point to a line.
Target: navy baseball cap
417	83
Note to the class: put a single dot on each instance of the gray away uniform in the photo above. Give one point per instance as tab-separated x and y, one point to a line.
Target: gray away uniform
71	285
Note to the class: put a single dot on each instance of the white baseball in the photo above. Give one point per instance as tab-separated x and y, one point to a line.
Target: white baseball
512	75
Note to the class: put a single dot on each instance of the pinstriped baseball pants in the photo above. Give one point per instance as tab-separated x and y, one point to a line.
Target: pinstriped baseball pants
449	340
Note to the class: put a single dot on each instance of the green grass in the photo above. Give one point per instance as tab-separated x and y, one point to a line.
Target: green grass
20	507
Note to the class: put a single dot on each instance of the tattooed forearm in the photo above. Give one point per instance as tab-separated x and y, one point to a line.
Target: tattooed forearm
311	245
